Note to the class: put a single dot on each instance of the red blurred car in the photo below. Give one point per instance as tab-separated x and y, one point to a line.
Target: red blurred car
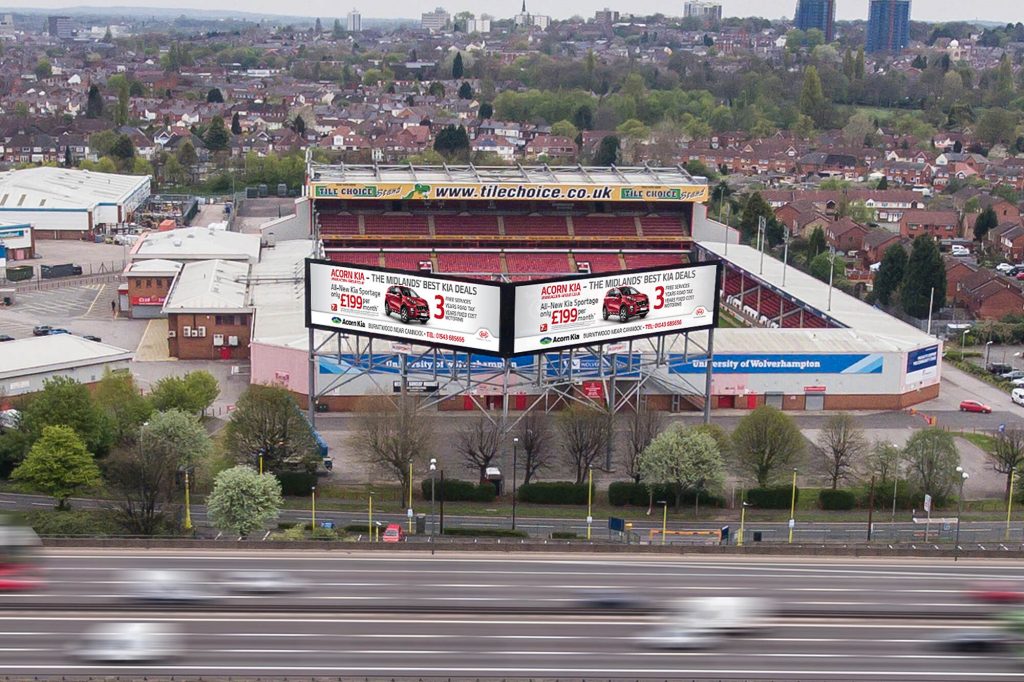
624	303
407	304
997	593
393	533
975	406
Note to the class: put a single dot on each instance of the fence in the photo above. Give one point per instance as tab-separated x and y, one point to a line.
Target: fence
64	282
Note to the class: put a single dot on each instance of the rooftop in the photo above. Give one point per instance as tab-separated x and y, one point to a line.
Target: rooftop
277	293
154	266
40	354
197	243
49	187
209	286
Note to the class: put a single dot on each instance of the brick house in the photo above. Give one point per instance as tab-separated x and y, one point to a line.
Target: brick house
846	235
149	282
208	311
994	300
1011	243
875	244
942	225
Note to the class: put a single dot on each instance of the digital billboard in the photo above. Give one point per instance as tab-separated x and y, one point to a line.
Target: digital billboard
430	310
581	311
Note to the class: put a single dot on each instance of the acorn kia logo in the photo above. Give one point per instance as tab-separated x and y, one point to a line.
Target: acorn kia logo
546	340
336	320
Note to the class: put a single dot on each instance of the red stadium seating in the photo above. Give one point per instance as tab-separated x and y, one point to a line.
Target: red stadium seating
396	224
356	257
338	223
649	260
535	226
662	226
732	283
604	226
600	262
540	264
469	262
465	225
404	260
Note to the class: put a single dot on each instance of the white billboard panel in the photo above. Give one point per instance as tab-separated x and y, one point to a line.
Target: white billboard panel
404	306
613	307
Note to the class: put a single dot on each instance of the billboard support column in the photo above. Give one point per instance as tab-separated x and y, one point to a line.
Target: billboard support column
404	364
611	399
311	401
707	376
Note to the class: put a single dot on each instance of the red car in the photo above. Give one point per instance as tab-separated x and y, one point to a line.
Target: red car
624	303
407	304
975	406
997	593
393	533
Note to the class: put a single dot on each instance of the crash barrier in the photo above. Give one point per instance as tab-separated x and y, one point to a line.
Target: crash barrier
697	537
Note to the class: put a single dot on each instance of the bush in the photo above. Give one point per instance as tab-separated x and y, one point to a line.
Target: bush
555	492
906	498
563	535
776	497
296	483
837	500
83	522
487	532
623	493
454	490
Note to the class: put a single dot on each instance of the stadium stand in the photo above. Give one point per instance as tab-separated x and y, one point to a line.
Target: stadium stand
469	262
396	224
604	226
537	263
405	260
371	258
344	224
600	262
648	260
535	226
662	226
465	225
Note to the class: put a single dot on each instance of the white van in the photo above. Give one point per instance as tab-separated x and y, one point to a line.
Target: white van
1017	396
959	250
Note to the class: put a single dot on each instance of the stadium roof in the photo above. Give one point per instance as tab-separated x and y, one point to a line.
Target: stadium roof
577	175
49	187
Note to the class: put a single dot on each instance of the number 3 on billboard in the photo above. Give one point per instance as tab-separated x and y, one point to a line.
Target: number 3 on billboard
439	303
659	297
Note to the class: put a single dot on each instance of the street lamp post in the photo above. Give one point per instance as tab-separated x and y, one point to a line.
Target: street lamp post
743	523
590	499
409	512
312	525
188	505
831	273
664	520
433	470
515	462
792	509
1009	503
988	350
369	520
959	512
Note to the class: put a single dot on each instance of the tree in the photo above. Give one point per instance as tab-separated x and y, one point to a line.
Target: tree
318	27
884	461
465	91
187	156
642	427
436	89
583	117
812	98
119	84
924	275
236	124
931	458
858	129
452	142
823	263
193	393
486	111
997	126
1008	454
299	126
767	442
457	67
65	402
986	220
816	244
58	465
144	479
214	96
478	442
390	434
337	31
585	433
119	397
43	69
123	150
841	443
534	438
94	103
883	183
217	138
755	209
268	422
890	273
683	459
607	152
243	501
176	436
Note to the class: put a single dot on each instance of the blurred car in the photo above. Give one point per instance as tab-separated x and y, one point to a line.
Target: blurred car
167	586
1018	382
680	639
5	337
975	641
1004	267
41	330
1013	374
393	533
261	582
997	593
90	337
721	615
974	406
58	330
129	643
608	599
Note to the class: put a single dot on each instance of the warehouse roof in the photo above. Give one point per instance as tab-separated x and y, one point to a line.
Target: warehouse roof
197	243
209	286
40	354
277	292
154	266
47	187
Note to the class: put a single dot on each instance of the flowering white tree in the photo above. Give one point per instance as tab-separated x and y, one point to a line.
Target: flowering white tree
683	459
243	500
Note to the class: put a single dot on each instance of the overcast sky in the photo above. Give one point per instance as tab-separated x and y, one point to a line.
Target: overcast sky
924	10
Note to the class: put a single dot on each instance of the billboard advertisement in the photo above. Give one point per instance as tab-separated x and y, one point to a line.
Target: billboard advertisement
403	306
582	311
779	363
922	364
509	191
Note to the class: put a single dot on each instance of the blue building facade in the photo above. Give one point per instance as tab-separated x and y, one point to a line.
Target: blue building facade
819	14
888	26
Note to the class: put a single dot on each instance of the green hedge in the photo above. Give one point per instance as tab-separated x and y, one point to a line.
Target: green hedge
296	483
486	532
91	522
628	493
906	498
563	535
777	497
454	490
554	492
981	373
837	500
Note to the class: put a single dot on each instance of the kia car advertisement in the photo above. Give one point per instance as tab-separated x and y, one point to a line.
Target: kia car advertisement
404	306
596	310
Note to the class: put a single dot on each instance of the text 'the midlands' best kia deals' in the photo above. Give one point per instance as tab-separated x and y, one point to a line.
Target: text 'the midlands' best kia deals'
408	307
599	310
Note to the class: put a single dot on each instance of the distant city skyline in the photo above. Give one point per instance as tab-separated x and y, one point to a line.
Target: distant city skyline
923	10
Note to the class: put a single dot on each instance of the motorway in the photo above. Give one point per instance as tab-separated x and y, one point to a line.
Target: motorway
473	616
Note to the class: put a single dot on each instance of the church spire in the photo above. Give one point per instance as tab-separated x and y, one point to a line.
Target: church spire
524	6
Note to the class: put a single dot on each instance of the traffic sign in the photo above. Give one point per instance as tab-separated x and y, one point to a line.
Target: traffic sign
928	503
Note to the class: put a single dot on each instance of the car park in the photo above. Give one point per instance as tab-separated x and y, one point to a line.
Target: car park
975	406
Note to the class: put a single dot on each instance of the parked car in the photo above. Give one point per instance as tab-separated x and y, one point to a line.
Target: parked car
624	303
5	337
90	337
394	533
1017	382
999	368
1004	267
1017	396
959	250
407	304
41	330
58	330
974	406
1013	374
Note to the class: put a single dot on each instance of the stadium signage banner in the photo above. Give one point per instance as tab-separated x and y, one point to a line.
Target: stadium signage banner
403	306
588	311
922	364
780	363
510	191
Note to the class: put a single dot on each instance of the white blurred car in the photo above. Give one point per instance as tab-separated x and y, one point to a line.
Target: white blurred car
261	582
129	643
1004	267
680	638
167	586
